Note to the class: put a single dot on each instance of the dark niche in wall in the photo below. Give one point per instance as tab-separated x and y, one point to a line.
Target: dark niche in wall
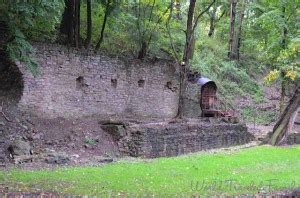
141	83
169	85
114	82
80	83
11	82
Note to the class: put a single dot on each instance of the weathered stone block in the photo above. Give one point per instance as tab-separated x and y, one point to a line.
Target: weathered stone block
19	147
117	131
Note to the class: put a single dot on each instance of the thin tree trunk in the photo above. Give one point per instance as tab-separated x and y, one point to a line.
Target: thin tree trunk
282	94
213	21
143	50
89	24
284	31
77	23
212	18
178	9
285	122
169	32
146	43
283	46
239	31
231	31
103	26
211	27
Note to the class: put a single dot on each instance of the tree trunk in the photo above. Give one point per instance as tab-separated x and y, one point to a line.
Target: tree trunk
143	50
187	54
186	57
212	18
231	31
103	25
211	27
66	25
239	31
89	24
283	46
282	94
284	31
77	23
285	122
70	24
178	10
4	38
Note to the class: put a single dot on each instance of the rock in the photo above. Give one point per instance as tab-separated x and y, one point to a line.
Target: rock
57	158
101	159
2	123
116	130
2	159
233	120
19	147
23	159
24	126
76	156
297	120
293	138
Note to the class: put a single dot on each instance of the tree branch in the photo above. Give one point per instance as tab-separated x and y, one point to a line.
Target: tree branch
200	15
169	32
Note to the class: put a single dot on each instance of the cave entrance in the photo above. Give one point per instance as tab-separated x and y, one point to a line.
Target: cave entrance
11	82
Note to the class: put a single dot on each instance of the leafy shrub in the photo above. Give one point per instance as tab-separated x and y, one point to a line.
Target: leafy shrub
253	115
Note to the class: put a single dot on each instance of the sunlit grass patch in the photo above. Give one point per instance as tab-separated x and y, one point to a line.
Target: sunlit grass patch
244	171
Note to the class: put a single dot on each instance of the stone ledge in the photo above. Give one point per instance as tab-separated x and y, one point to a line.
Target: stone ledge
162	139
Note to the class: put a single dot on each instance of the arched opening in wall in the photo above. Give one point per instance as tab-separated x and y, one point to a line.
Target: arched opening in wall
11	82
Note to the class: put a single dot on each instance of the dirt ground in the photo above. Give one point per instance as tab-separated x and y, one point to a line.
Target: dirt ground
77	141
82	140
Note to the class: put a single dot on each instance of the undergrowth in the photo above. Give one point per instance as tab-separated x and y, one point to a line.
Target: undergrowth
251	114
235	79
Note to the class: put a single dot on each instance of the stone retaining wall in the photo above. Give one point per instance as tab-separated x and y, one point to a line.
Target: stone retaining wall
171	139
72	83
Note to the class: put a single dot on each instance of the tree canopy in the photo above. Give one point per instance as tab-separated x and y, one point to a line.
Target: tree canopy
230	41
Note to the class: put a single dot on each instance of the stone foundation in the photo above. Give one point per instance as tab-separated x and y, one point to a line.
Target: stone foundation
160	139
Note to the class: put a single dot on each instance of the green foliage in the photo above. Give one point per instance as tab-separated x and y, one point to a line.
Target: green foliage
233	79
136	24
131	24
90	141
172	177
266	26
252	115
19	49
34	20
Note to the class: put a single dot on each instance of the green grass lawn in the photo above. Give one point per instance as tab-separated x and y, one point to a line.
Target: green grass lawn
244	171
